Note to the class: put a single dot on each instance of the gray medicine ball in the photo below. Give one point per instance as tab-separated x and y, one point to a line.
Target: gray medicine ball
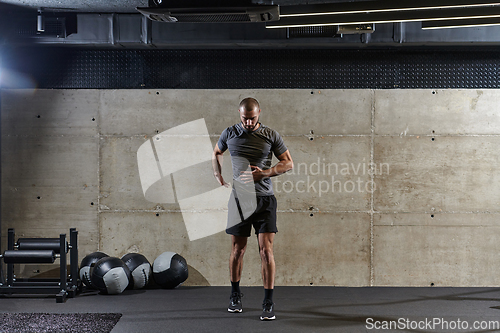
140	270
110	275
170	270
86	265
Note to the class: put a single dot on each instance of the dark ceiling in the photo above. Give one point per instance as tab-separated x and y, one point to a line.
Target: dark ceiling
109	44
128	6
361	23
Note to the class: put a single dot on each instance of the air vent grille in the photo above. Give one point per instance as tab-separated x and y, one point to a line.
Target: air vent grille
55	26
213	18
327	31
52	27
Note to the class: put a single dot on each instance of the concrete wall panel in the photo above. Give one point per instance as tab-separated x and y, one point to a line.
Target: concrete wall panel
148	112
50	161
330	174
323	249
120	186
438	254
444	174
37	210
324	112
419	112
50	112
291	112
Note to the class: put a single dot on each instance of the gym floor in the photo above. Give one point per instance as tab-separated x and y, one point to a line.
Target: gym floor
298	309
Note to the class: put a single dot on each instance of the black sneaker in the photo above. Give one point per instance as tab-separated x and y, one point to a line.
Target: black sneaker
235	303
267	310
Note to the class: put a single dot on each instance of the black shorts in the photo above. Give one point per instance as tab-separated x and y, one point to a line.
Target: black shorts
263	219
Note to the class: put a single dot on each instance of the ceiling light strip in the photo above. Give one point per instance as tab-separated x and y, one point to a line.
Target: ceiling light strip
460	24
364	11
383	21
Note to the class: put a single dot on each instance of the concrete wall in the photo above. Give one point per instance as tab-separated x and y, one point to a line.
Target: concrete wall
390	187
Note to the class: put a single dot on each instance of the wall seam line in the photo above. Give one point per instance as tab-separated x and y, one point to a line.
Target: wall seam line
372	178
99	137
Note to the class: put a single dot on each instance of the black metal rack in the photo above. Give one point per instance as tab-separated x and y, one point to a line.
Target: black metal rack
42	250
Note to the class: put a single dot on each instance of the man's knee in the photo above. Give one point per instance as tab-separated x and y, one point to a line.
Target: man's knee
239	247
238	252
266	247
266	254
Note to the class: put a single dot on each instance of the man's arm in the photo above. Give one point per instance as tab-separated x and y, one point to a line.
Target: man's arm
285	164
217	165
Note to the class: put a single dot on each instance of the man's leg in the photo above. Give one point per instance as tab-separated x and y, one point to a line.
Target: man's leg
238	247
266	240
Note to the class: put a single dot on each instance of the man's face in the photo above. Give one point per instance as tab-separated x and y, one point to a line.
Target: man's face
249	119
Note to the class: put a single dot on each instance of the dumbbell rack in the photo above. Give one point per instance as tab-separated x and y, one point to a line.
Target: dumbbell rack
42	250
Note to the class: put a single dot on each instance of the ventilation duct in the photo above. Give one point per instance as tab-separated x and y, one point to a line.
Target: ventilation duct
212	14
46	25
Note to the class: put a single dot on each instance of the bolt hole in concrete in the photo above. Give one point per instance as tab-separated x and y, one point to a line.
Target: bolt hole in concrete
311	139
157	92
432	139
311	215
91	203
38	198
38	116
432	284
312	92
311	284
432	216
433	92
157	214
93	119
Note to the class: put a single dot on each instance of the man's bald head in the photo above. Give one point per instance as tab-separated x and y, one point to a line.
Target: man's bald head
249	104
249	113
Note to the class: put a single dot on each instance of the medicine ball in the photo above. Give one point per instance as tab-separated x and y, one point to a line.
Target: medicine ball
140	269
86	265
110	275
170	270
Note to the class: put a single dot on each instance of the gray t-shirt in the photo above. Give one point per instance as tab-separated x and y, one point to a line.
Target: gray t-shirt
254	148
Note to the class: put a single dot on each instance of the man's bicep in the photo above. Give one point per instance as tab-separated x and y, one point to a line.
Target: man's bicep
286	156
221	144
218	150
278	147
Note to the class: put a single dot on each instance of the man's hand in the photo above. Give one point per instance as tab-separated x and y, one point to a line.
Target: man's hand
285	164
221	180
255	175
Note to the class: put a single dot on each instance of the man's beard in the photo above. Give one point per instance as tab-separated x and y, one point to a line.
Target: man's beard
250	128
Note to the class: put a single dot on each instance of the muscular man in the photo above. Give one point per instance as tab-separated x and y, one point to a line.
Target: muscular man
254	143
